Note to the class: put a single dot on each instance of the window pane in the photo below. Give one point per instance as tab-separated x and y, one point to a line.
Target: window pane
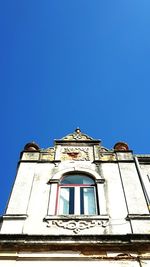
71	202
77	179
87	201
66	202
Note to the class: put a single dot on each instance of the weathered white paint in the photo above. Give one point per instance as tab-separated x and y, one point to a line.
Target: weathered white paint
134	194
35	194
101	198
32	206
56	263
21	191
52	199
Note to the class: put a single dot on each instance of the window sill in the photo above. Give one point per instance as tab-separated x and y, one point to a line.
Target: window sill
77	217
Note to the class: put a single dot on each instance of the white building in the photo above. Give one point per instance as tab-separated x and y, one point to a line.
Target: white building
78	203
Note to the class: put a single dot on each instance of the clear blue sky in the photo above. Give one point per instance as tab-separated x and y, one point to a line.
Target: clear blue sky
68	63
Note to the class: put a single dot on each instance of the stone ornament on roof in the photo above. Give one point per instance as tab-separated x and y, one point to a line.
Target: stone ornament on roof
77	135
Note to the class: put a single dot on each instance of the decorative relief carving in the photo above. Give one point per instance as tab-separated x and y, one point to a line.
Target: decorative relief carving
75	153
106	155
48	154
77	226
30	156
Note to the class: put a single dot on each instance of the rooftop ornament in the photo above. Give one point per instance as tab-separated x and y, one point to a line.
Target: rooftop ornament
31	147
121	146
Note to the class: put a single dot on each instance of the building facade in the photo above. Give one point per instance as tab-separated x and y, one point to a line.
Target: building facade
78	202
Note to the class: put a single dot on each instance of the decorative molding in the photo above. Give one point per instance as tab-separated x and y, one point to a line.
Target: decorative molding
15	217
100	181
138	217
77	225
77	168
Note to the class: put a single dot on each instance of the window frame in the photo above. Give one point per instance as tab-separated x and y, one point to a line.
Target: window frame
54	181
78	202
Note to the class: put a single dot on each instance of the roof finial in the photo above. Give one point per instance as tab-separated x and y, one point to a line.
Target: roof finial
77	130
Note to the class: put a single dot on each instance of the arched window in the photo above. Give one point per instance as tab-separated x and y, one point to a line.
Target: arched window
77	195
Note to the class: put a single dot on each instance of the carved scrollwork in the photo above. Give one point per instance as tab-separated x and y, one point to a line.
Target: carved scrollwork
77	226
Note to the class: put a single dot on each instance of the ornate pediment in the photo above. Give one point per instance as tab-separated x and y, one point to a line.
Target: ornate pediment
77	135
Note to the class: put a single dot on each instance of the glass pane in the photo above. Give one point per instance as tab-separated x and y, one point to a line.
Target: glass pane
87	201
66	201
77	179
71	200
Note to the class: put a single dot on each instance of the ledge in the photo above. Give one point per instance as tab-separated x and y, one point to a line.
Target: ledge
138	217
14	217
77	217
55	243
